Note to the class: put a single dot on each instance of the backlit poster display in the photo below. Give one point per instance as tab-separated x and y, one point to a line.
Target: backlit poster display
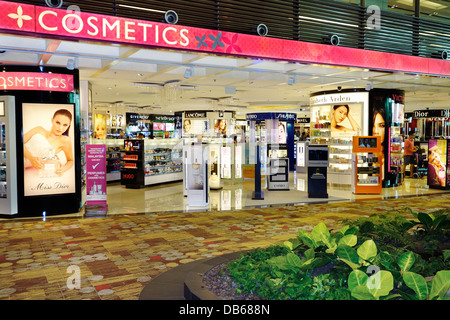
437	163
48	137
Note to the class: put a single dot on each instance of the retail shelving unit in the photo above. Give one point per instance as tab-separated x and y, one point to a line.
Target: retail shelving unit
340	169
366	165
395	151
132	172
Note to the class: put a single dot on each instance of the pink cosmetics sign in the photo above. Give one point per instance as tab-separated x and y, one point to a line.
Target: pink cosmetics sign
96	175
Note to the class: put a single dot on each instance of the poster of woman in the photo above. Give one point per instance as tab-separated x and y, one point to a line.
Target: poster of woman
48	146
346	118
436	163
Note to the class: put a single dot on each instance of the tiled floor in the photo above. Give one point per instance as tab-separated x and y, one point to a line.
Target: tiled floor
117	255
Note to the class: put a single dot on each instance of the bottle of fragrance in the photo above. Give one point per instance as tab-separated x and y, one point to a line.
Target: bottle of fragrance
50	164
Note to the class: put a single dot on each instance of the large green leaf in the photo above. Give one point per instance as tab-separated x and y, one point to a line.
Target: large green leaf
437	222
425	219
386	260
320	233
349	240
362	293
440	284
406	260
307	239
293	260
280	262
380	284
348	255
417	283
367	250
357	278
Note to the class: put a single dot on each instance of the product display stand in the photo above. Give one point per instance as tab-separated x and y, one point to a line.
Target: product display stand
132	173
366	165
317	171
258	194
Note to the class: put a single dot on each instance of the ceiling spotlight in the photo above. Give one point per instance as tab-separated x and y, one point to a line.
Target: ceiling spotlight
292	80
72	64
188	73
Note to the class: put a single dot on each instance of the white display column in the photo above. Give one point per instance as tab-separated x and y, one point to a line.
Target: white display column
197	177
8	169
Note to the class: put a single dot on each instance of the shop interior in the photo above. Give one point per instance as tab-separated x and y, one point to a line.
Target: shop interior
131	93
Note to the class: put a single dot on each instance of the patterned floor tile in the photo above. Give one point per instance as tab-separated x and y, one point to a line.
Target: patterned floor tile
118	255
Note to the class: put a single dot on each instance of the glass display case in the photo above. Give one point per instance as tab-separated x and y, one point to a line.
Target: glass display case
163	160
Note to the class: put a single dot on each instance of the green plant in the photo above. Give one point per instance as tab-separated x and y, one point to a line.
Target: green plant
435	221
324	264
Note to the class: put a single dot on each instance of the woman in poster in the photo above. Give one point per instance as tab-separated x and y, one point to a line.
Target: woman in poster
46	149
436	169
282	135
378	129
100	126
338	115
187	126
220	126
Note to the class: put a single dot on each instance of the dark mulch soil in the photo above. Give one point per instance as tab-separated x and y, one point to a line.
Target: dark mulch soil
223	286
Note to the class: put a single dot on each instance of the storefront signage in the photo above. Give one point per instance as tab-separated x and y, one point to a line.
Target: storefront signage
303	120
195	114
96	174
271	115
163	118
333	98
19	17
36	81
431	114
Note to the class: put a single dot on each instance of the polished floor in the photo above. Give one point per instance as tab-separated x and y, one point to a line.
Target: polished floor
236	195
150	231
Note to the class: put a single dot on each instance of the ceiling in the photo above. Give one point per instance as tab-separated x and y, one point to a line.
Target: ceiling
156	81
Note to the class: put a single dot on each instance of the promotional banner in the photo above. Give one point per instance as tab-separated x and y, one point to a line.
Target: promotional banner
48	143
96	175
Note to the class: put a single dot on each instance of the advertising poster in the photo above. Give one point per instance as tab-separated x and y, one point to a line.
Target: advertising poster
282	132
346	119
100	126
220	127
48	145
437	151
96	174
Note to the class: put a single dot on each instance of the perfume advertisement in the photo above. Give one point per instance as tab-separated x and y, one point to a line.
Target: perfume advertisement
96	174
48	146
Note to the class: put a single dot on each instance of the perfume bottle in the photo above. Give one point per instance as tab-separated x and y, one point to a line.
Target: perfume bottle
50	164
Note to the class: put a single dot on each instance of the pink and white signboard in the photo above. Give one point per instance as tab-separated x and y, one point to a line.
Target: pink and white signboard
36	81
40	20
96	175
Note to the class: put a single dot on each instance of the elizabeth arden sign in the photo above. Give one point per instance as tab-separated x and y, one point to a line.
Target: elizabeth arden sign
31	19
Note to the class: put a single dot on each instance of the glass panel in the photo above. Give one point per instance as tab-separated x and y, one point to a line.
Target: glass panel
436	9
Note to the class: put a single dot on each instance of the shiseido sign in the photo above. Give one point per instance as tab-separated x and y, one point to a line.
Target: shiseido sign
36	81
